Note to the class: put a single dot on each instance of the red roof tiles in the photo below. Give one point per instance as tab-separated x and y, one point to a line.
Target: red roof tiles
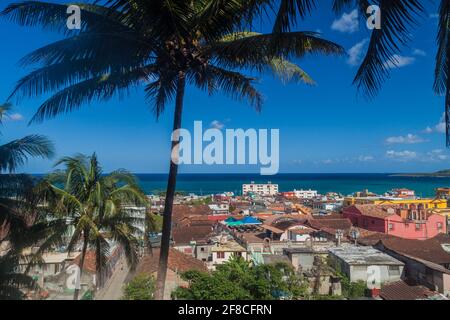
400	290
178	262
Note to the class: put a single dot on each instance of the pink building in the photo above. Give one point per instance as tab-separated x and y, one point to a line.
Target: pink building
408	224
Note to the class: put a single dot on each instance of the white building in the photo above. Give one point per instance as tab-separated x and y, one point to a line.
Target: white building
220	208
263	189
223	252
305	194
366	264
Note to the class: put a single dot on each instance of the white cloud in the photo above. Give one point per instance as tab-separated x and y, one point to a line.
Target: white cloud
217	124
436	155
398	61
348	23
355	53
434	15
439	128
408	139
403	156
364	158
419	52
428	130
327	161
15	117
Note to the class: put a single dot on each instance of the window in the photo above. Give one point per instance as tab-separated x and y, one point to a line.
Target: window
439	225
418	226
391	226
394	270
220	255
202	249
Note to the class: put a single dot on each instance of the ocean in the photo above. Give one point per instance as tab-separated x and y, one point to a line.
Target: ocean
343	183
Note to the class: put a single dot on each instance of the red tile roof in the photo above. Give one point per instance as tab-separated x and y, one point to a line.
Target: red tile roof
338	223
370	210
181	211
178	262
429	250
184	235
400	290
89	263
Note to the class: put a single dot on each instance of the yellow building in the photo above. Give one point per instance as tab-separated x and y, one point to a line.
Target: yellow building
425	203
443	193
442	212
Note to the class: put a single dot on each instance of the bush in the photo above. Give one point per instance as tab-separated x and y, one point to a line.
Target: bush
142	287
238	280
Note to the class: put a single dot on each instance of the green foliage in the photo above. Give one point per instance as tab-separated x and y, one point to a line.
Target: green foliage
198	202
154	222
351	289
21	218
90	208
142	287
238	280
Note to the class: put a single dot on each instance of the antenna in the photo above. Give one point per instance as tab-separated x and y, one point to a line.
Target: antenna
338	236
355	235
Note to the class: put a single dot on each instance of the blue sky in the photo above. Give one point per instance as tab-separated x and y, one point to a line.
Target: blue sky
324	128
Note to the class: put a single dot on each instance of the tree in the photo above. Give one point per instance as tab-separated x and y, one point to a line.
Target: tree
164	45
142	287
15	153
94	208
19	213
237	279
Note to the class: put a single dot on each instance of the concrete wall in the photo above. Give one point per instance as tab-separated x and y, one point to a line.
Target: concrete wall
228	256
303	261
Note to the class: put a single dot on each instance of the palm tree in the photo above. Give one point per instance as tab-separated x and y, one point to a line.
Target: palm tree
15	153
94	208
165	46
19	214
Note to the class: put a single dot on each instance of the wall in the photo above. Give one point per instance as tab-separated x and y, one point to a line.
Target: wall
228	256
303	260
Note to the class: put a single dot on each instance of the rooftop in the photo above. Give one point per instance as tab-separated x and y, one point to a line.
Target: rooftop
178	262
401	290
229	246
357	255
430	249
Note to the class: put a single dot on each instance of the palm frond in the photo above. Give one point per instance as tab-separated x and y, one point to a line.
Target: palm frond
442	78
15	153
398	17
53	16
289	11
161	92
233	84
253	52
289	72
98	88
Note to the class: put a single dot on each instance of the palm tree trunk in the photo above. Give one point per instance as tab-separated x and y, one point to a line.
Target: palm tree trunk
171	186
98	264
83	255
